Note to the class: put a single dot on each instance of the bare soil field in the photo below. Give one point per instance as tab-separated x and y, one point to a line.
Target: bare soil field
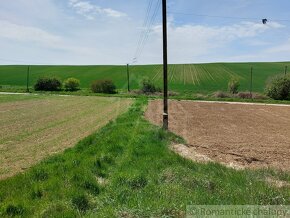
236	135
34	128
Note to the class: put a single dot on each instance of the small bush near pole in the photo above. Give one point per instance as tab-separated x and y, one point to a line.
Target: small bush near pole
278	87
233	86
103	86
48	84
147	86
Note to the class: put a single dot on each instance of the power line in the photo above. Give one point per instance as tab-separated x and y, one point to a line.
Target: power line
149	29
147	25
226	17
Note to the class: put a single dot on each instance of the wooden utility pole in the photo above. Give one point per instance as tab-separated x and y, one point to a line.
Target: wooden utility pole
27	79
251	84
165	79
128	77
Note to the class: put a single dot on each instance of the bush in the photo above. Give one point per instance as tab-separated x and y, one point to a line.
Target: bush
248	95
147	86
48	84
233	86
278	88
245	95
103	86
72	84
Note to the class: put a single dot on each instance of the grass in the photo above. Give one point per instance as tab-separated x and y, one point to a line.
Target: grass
196	78
34	127
127	170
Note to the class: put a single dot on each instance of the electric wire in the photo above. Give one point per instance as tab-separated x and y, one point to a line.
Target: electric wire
226	17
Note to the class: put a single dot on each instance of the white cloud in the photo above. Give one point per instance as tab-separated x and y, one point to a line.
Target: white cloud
40	38
90	11
27	33
188	43
282	48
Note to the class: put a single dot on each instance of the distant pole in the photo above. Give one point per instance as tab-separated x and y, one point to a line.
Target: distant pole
286	68
27	79
165	106
251	84
128	77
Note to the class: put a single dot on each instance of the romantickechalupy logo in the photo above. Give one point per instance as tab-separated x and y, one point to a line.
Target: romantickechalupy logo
239	211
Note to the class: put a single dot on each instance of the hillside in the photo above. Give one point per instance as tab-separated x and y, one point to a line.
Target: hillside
184	77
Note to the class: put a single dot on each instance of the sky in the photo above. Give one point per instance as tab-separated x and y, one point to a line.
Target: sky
102	32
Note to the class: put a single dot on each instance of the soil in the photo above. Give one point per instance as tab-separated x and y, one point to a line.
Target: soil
237	135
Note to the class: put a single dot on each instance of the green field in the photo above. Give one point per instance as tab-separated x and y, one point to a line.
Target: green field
198	78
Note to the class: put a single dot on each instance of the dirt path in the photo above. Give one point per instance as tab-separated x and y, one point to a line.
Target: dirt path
239	135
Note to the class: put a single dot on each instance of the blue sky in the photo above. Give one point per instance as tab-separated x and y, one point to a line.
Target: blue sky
107	31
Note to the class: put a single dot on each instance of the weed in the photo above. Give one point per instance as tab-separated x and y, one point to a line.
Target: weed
92	187
14	210
80	202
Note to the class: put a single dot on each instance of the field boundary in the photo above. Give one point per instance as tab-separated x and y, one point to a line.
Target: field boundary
238	103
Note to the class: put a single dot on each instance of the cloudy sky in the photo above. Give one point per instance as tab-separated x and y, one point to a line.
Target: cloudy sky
80	32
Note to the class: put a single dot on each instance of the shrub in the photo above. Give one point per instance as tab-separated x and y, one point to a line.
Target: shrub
48	84
103	86
278	88
233	86
147	86
245	95
72	84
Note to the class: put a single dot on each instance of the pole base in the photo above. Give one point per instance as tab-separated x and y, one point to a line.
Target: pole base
165	121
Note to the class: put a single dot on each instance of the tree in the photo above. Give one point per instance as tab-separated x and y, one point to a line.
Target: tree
234	86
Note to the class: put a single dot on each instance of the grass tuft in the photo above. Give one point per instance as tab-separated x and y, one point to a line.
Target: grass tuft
81	202
14	210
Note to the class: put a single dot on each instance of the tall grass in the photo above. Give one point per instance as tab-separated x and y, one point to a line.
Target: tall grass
127	170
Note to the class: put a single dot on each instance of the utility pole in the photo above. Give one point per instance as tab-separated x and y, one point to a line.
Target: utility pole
128	77
27	79
165	103
286	68
251	85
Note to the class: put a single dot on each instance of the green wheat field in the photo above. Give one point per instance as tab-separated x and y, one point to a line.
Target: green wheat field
197	78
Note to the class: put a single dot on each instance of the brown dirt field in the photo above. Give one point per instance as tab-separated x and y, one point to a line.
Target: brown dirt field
33	129
237	135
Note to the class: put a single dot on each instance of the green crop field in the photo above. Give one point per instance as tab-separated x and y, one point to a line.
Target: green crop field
198	78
